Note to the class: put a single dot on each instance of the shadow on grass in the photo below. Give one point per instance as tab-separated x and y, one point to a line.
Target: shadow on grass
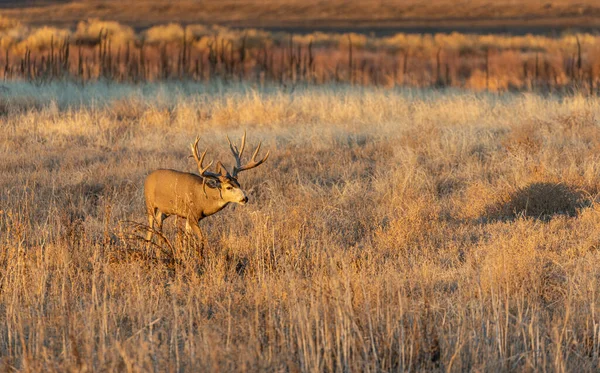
541	201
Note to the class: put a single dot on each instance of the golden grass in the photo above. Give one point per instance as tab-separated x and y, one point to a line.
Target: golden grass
368	243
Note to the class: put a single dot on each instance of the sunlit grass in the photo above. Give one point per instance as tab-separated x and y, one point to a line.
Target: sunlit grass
389	230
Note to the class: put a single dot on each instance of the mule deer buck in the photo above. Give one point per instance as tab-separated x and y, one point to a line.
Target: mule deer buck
194	197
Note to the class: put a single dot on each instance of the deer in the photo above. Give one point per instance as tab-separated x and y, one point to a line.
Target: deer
193	197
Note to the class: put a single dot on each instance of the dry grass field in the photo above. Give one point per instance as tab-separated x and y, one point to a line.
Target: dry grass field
390	230
311	14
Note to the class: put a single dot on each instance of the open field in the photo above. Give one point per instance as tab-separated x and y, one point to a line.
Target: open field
295	15
389	230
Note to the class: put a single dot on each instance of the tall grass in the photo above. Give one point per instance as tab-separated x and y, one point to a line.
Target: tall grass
389	230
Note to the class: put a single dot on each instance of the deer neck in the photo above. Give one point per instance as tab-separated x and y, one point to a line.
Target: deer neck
215	201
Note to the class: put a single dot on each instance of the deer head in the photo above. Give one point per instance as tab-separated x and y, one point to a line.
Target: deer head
226	182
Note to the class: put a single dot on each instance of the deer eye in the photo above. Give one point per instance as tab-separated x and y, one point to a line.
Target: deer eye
229	187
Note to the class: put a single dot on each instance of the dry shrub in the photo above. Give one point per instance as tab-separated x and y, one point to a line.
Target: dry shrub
475	200
524	138
126	109
7	23
256	38
553	282
11	32
410	231
577	120
420	137
252	38
172	32
519	263
42	38
196	32
540	200
580	127
88	32
156	116
448	186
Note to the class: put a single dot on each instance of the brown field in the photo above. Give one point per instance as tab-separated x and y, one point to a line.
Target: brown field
318	14
406	230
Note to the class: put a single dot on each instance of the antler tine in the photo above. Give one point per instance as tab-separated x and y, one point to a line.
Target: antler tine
243	144
200	160
234	149
237	152
194	147
257	150
253	162
256	153
203	170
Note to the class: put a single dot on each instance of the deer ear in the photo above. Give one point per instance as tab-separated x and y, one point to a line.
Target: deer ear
212	183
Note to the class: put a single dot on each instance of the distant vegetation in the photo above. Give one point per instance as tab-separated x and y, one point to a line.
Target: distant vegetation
109	51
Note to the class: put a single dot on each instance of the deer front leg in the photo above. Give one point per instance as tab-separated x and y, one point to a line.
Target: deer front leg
159	221
193	227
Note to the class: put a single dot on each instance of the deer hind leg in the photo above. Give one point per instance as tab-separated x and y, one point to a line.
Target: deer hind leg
191	225
150	224
154	216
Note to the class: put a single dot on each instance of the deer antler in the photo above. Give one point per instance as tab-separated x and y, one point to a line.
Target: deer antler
237	154
200	160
